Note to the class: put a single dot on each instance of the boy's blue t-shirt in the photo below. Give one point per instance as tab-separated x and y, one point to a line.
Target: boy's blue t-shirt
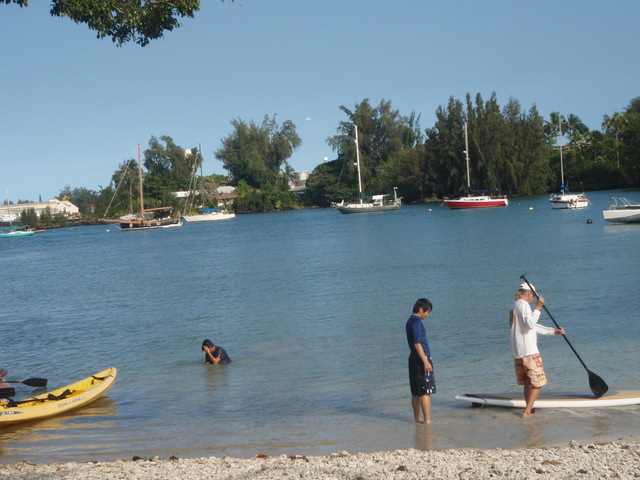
416	333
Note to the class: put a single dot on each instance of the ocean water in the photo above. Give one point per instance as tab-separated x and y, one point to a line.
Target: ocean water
311	306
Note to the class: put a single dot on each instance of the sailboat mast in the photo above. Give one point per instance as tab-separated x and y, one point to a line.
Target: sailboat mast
201	175
358	163
562	187
140	185
466	152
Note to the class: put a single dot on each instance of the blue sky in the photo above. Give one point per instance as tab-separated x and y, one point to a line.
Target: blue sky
73	107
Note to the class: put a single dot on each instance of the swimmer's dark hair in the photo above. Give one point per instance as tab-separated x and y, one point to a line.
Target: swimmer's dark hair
207	343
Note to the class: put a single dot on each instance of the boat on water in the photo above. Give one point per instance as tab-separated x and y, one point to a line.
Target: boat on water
475	198
17	232
57	401
208	214
9	218
566	199
377	203
622	211
140	221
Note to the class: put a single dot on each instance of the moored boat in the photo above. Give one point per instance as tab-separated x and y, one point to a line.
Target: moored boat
622	211
478	201
565	199
17	232
210	215
377	203
140	221
475	198
8	219
202	214
58	401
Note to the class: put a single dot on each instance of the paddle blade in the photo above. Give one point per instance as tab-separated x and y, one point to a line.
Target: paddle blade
32	382
598	385
7	392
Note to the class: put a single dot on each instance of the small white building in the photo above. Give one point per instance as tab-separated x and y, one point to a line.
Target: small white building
298	183
11	213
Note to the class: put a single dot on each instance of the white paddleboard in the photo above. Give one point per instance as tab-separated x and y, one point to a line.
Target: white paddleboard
554	399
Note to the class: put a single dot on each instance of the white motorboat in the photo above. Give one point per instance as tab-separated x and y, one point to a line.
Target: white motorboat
622	211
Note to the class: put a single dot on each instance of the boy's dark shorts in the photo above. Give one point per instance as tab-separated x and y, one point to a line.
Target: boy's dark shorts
420	382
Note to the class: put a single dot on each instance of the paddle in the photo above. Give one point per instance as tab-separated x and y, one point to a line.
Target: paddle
597	384
32	382
7	392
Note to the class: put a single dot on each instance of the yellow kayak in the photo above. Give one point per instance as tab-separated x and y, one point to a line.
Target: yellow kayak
58	401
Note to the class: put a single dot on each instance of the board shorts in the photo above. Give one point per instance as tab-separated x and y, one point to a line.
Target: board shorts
530	371
420	382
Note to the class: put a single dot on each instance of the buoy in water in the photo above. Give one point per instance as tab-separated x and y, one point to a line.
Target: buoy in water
589	221
530	208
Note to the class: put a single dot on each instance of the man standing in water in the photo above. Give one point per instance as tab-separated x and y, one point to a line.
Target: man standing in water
524	344
421	378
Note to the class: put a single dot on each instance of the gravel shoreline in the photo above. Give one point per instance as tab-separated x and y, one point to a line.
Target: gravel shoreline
619	459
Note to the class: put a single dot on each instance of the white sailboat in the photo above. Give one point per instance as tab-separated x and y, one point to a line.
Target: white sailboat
565	199
208	214
378	203
474	201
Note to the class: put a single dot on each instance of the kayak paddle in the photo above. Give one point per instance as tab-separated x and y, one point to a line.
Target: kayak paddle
7	392
597	384
32	382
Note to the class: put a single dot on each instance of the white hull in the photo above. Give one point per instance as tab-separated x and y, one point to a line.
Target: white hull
622	211
569	201
209	217
622	216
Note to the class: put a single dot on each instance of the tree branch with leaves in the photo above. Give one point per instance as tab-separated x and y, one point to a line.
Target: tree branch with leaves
124	21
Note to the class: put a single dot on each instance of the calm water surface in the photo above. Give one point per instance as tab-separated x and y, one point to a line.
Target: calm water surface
311	306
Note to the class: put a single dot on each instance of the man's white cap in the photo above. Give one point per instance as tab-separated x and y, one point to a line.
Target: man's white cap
525	286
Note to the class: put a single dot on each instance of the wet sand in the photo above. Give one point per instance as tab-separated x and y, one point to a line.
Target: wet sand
617	459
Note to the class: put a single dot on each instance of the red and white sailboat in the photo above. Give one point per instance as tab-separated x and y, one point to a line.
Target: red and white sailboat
475	198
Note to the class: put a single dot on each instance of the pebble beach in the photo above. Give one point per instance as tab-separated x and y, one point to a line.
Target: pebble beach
617	459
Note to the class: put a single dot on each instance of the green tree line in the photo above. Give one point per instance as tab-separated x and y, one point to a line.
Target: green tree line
511	150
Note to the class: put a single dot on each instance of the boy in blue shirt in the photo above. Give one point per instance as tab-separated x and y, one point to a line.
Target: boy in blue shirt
421	379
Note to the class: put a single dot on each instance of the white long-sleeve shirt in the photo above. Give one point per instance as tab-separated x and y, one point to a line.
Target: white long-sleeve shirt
525	330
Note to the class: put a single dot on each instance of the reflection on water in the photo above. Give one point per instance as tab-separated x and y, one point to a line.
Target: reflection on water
424	438
77	426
